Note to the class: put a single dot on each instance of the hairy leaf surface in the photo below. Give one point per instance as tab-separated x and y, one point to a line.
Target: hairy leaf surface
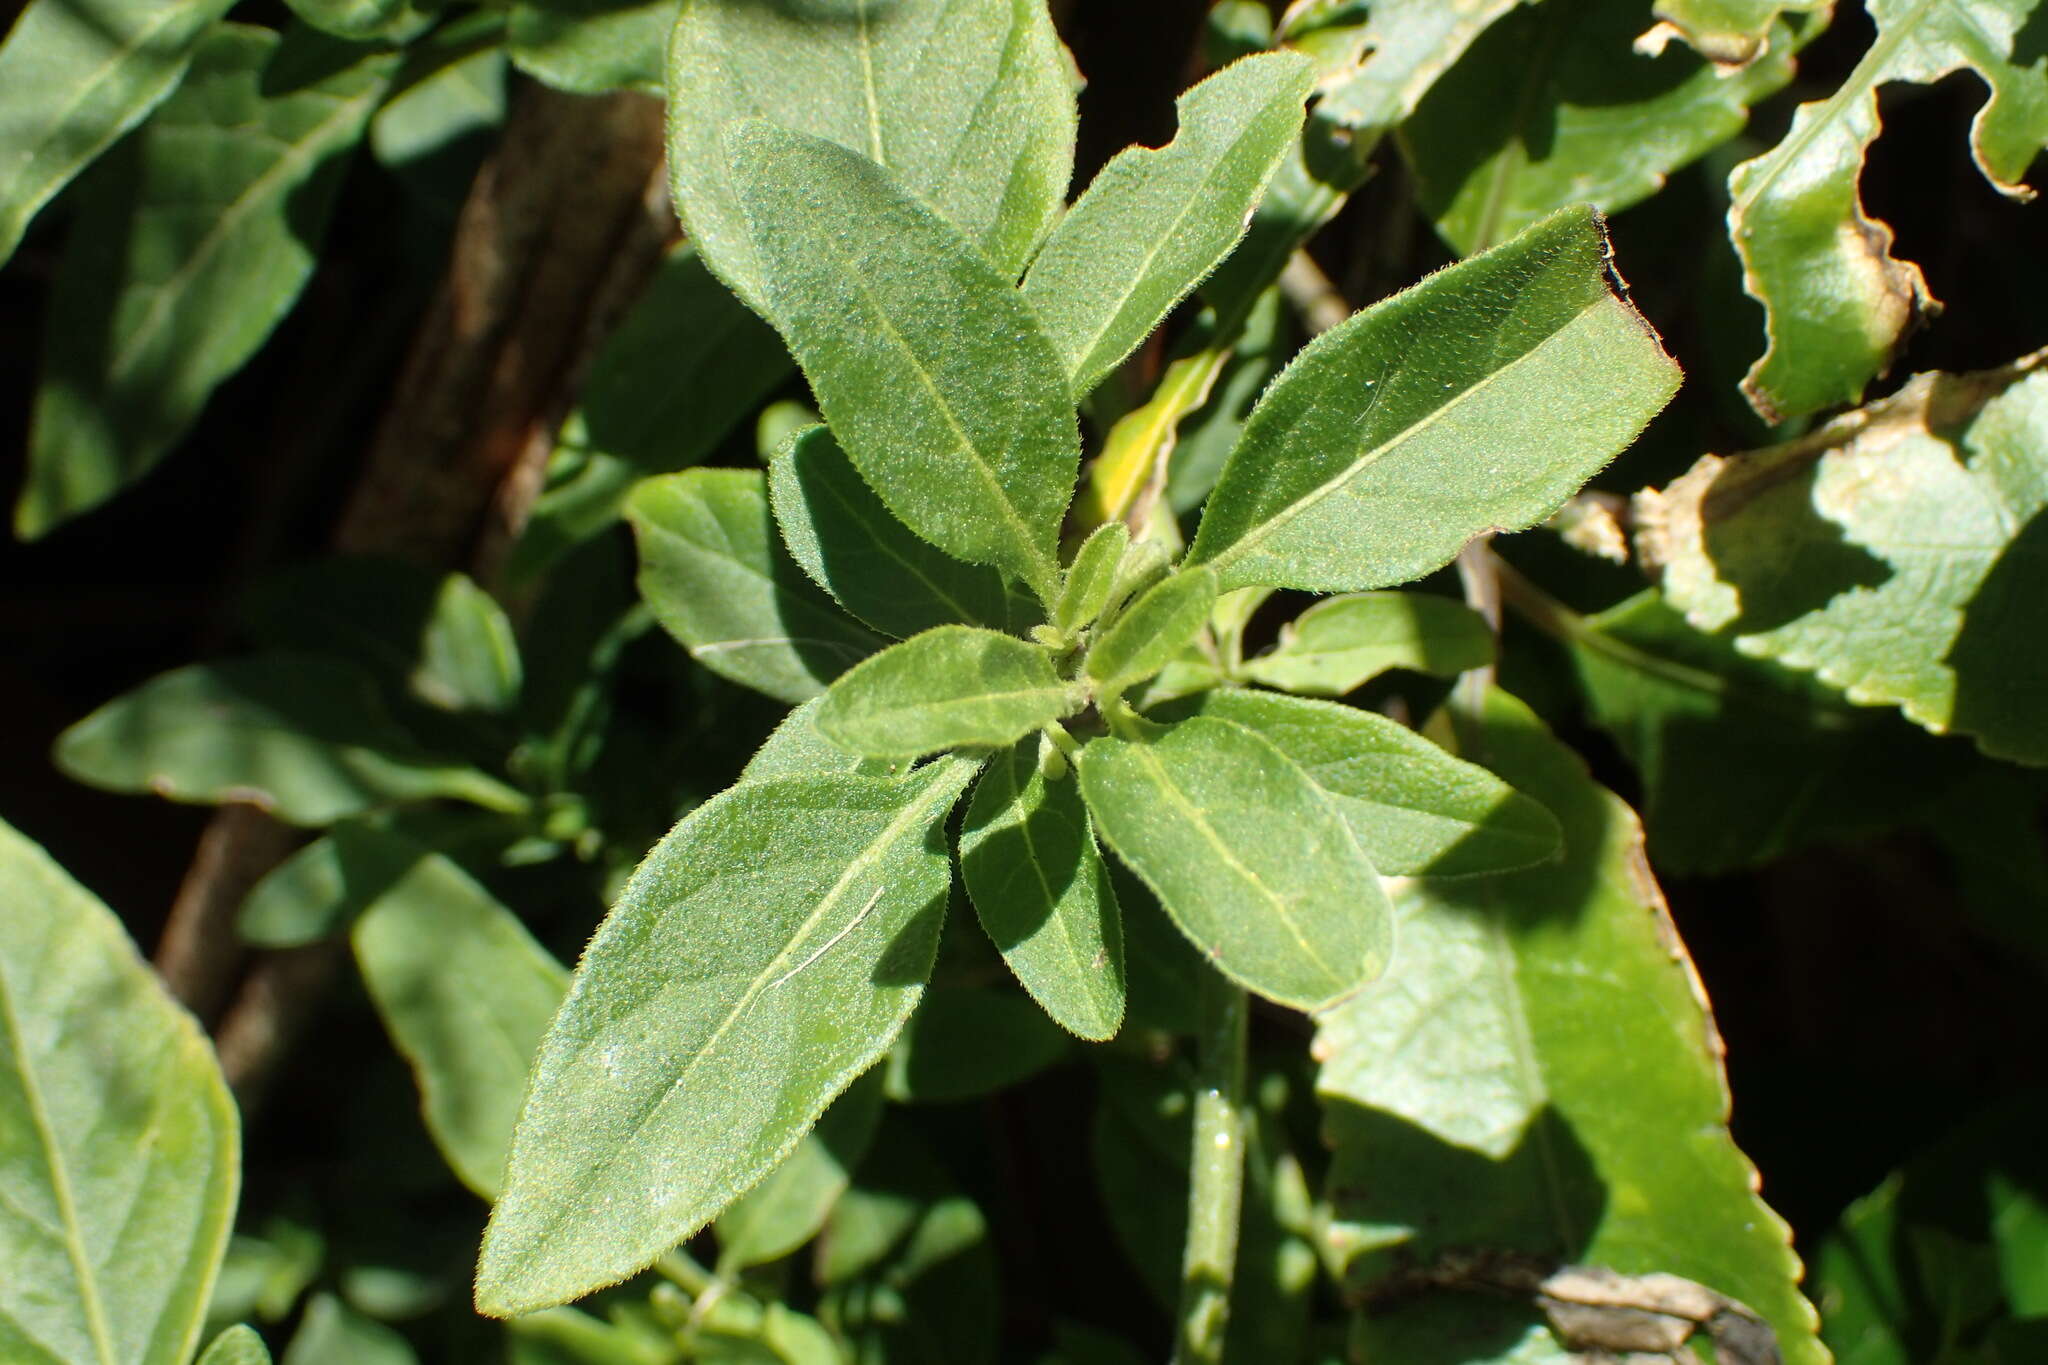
1154	222
1414	809
1149	632
1247	855
951	686
787	1208
307	738
718	579
1085	590
192	242
764	954
1028	856
1918	525
122	1148
1341	643
931	370
1628	1165
1836	302
75	75
1479	400
466	995
969	103
849	542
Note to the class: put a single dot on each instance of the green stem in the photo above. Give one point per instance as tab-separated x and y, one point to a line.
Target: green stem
1216	1170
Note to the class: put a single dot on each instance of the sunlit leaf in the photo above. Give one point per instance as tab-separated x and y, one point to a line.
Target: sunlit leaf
1339	644
764	955
1726	32
589	47
119	1170
1478	400
363	21
236	1346
788	1208
1147	634
949	687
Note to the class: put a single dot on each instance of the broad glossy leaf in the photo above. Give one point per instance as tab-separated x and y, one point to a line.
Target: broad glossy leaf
1742	759
1836	301
1028	856
75	75
589	47
119	1170
1338	645
1726	32
237	1346
363	21
1414	809
968	1041
190	244
1477	401
1917	524
1154	222
331	1333
931	370
684	368
1551	107
440	637
788	1208
466	995
764	955
1247	855
305	737
1408	45
949	687
1091	577
856	549
969	103
1629	1165
1146	635
715	573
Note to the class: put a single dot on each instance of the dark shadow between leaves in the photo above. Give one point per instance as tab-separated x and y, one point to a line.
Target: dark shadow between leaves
824	638
2001	688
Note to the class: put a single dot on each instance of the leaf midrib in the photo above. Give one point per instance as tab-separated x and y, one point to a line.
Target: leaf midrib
1280	519
60	1180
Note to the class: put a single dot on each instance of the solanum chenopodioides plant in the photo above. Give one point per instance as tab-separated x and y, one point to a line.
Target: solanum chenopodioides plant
771	947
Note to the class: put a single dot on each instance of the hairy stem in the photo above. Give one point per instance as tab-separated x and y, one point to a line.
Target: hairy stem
1216	1183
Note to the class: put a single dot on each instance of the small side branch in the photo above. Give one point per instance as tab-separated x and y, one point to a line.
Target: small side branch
1216	1177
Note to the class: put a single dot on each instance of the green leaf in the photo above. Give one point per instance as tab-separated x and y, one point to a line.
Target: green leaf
1339	645
855	548
1146	635
304	737
434	129
441	638
1551	107
683	1066
191	243
75	76
1629	1165
590	47
1247	855
237	1346
968	1041
969	103
715	573
788	1208
1742	759
685	366
1414	809
119	1170
1725	32
931	370
1085	590
1362	465
949	687
1916	523
1028	857
466	995
796	749
333	1334
1154	222
1408	45
1836	302
364	21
